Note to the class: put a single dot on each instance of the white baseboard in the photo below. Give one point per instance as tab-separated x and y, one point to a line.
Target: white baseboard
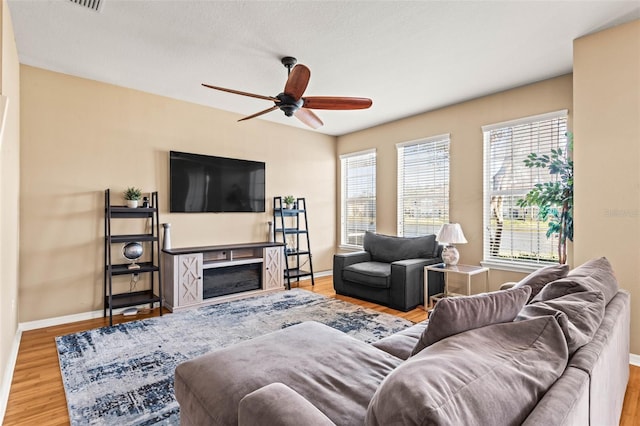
66	319
634	360
322	274
8	374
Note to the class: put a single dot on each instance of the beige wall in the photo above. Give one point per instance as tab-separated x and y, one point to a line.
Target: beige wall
464	123
607	155
80	137
9	190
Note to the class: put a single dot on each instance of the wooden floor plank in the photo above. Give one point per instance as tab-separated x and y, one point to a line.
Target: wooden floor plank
37	394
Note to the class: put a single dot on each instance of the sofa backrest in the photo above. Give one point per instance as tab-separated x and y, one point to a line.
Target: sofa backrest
386	248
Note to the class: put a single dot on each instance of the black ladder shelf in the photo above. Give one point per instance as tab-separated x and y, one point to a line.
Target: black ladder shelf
292	228
150	239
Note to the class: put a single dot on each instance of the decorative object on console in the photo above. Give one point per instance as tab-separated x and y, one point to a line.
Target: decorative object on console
271	237
166	240
450	234
133	251
132	195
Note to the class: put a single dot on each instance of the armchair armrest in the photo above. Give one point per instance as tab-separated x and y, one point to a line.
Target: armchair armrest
342	260
346	259
407	282
278	404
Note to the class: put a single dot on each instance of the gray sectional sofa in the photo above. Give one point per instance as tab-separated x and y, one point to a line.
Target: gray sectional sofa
389	270
551	350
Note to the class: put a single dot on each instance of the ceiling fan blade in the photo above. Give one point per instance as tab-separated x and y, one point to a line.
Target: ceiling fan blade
336	102
237	92
259	113
308	117
297	81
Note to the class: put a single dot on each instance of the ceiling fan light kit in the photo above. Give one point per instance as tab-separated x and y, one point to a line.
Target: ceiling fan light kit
291	102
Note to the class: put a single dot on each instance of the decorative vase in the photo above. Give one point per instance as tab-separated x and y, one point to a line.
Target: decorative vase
166	240
270	236
132	203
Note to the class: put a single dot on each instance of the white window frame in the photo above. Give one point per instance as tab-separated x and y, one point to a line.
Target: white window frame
431	186
366	155
512	263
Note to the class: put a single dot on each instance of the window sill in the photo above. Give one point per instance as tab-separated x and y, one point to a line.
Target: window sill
525	268
349	247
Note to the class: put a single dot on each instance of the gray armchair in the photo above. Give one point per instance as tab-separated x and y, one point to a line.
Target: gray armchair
390	270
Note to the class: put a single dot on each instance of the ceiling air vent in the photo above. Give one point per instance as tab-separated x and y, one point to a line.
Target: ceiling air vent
95	5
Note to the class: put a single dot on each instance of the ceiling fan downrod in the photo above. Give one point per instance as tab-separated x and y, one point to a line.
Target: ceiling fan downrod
289	62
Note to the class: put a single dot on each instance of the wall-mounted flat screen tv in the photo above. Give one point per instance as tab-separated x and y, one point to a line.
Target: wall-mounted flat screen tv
203	183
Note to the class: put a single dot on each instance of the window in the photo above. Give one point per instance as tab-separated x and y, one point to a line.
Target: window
514	235
423	186
358	196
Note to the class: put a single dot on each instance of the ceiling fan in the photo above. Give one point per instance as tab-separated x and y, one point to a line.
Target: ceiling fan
291	102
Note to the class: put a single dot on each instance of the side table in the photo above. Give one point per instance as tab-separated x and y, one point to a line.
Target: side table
467	270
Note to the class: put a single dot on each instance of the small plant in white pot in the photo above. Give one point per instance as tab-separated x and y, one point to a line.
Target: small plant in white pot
132	195
288	201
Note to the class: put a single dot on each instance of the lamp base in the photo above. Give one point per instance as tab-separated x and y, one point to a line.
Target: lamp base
450	255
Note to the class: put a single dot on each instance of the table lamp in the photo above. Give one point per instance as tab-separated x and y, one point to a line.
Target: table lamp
450	234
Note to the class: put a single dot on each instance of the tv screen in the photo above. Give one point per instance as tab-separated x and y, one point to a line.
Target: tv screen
203	183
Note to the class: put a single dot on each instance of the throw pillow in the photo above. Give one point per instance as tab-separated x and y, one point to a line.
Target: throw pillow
601	277
538	279
453	315
579	315
493	375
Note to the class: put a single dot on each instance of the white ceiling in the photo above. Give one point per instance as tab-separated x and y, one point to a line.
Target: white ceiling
408	56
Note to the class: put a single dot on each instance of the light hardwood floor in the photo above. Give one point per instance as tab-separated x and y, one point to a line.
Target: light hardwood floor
37	395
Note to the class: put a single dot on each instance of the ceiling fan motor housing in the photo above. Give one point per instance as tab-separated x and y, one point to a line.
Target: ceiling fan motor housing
288	104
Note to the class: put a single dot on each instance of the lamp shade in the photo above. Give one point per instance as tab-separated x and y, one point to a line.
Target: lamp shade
451	233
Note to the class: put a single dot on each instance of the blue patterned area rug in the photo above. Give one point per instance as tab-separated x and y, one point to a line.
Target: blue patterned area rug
123	375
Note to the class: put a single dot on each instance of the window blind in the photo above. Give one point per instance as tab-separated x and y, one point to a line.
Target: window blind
358	199
423	186
513	234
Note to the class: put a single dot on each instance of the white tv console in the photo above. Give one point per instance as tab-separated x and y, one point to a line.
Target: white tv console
198	276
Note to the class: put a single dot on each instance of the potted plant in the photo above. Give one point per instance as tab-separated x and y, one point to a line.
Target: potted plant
554	199
288	201
132	195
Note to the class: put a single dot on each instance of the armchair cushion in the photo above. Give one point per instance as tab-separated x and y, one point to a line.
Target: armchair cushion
374	274
386	248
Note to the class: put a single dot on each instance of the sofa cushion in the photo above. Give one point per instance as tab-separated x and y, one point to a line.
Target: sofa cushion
373	274
335	372
600	277
386	248
579	315
453	315
278	404
401	344
538	279
493	375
